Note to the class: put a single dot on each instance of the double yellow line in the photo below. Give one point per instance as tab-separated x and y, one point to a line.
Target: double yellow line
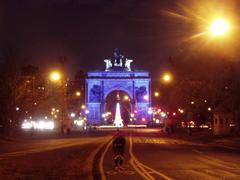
143	170
103	177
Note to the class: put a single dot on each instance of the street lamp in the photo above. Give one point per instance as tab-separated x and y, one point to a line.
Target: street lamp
156	94
126	98
78	93
55	76
219	27
167	77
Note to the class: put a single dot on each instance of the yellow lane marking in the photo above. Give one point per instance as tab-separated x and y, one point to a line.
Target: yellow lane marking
103	177
133	162
138	165
88	167
156	172
152	140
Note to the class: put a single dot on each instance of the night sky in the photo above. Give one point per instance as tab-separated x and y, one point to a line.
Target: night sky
87	31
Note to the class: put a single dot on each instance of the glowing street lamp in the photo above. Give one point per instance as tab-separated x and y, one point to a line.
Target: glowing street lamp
219	27
126	98
156	94
78	93
59	77
55	76
73	115
167	77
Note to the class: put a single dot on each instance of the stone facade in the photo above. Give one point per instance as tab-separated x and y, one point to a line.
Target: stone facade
101	83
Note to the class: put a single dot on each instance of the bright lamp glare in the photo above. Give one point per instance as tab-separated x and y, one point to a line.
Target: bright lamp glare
27	125
219	27
156	94
126	98
145	97
72	115
167	77
41	125
163	114
55	76
78	122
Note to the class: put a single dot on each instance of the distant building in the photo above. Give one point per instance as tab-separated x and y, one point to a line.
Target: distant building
223	121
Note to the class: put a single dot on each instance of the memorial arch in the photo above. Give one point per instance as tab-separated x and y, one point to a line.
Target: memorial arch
118	76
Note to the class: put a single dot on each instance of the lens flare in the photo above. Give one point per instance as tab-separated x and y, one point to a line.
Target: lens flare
219	27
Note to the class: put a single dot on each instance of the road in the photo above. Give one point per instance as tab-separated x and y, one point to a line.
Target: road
149	155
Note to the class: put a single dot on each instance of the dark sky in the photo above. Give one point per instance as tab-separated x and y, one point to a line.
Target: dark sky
87	31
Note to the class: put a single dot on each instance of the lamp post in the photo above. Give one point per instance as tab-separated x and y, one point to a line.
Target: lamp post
56	76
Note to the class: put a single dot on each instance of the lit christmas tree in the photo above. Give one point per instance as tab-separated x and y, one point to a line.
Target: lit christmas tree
118	122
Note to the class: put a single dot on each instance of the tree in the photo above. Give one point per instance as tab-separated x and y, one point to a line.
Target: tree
18	90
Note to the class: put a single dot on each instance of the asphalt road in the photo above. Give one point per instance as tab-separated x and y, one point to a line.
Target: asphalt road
149	154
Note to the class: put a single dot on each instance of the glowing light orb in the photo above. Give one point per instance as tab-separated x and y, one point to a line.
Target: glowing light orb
78	93
55	76
167	77
72	115
219	27
126	98
156	94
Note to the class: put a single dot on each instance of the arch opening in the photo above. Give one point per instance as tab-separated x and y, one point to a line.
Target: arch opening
110	107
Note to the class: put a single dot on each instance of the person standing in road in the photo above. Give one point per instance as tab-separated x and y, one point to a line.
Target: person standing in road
118	150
